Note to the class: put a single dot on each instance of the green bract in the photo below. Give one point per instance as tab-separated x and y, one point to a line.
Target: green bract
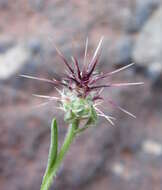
79	108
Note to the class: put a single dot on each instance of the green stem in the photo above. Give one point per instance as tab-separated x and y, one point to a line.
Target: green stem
67	142
65	147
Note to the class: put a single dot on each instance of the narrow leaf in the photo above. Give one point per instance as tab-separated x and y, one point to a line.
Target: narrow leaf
47	179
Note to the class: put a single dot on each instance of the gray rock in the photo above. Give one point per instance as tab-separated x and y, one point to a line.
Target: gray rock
118	51
154	71
123	50
143	11
148	46
6	42
4	4
157	83
37	4
12	60
34	45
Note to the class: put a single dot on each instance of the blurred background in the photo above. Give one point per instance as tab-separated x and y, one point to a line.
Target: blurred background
127	156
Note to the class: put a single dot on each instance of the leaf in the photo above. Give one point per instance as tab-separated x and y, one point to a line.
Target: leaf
69	116
93	117
51	157
91	120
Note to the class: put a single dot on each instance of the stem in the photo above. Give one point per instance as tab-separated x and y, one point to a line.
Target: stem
65	147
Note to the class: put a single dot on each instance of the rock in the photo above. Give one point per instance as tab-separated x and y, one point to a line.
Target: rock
12	61
26	57
4	4
154	71
10	95
122	170
34	45
152	147
157	83
143	10
148	47
37	4
5	43
117	52
123	50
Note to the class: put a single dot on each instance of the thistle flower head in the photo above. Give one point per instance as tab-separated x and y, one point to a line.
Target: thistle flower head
81	94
